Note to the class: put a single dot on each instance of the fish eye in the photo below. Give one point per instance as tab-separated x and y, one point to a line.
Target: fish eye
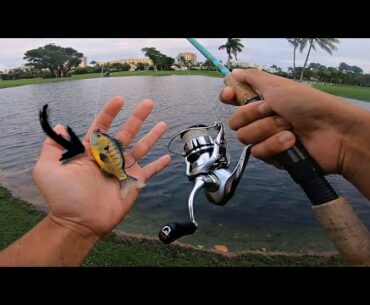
98	135
106	148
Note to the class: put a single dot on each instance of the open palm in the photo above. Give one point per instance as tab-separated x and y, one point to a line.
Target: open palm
78	193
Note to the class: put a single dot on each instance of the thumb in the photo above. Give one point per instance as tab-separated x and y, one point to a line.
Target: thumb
52	151
259	80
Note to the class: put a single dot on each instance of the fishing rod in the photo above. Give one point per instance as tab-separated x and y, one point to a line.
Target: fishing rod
343	225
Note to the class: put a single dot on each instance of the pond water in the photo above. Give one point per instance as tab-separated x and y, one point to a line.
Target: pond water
268	210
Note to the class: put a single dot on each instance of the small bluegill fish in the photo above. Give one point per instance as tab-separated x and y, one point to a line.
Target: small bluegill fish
108	153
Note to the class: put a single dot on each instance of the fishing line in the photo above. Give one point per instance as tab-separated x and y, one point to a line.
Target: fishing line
212	109
98	93
203	96
183	131
96	110
133	155
176	139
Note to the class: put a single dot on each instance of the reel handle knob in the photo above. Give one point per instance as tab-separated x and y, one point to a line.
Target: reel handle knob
174	230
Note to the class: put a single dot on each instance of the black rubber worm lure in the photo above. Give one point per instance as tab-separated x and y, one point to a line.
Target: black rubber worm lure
73	146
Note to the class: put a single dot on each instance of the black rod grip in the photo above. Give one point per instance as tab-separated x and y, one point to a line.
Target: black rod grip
307	173
174	230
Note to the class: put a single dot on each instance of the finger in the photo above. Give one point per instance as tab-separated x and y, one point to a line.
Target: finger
247	114
142	147
156	166
227	96
258	79
274	145
106	116
132	126
51	150
262	129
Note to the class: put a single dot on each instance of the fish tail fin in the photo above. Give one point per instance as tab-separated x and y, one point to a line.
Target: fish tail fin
129	184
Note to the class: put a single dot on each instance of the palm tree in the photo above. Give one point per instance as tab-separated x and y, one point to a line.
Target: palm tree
295	42
208	65
232	46
328	44
181	60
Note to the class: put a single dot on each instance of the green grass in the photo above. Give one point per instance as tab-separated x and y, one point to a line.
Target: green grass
355	92
135	252
17	217
32	81
235	237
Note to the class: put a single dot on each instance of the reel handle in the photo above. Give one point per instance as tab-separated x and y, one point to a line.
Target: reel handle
174	230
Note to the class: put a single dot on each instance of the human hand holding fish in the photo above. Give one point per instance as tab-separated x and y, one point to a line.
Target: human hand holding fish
84	204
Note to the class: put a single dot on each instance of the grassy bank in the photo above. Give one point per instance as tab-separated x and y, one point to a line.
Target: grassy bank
32	81
355	92
16	218
236	237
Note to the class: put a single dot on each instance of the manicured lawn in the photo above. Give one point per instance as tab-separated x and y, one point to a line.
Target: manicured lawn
355	92
22	82
17	217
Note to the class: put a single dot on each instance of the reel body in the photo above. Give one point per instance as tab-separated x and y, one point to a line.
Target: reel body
207	166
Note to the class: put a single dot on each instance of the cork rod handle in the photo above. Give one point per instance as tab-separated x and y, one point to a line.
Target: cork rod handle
244	93
346	230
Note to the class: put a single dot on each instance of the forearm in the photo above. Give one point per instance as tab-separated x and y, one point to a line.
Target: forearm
48	244
356	155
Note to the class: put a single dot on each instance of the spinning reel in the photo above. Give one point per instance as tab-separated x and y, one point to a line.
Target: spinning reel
207	166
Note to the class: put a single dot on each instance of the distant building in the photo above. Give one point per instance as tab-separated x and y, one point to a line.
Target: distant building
245	64
83	62
261	67
23	68
188	56
130	61
178	67
238	63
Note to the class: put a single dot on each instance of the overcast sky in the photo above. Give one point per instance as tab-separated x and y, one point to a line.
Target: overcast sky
258	51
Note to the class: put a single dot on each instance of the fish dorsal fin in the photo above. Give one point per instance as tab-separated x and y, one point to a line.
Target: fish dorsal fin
119	144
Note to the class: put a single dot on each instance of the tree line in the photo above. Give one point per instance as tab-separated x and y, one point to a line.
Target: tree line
344	74
55	61
58	62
